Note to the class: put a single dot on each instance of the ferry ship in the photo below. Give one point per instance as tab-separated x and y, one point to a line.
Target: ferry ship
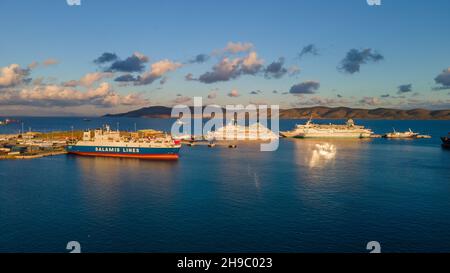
105	142
312	130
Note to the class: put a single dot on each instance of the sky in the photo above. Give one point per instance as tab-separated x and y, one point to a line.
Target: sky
113	56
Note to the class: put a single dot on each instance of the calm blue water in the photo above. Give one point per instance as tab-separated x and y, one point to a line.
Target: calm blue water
396	192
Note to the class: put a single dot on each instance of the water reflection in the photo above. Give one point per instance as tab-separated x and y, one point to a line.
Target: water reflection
322	154
106	181
110	170
326	167
318	153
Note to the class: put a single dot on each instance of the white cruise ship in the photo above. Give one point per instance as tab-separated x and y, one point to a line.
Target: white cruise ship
233	131
312	130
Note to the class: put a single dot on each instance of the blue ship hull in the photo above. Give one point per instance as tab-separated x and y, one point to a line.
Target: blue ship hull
129	152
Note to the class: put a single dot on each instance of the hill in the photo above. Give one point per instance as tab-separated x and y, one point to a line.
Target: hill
318	112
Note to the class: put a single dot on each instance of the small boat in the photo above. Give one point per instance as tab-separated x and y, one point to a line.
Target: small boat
423	136
185	137
86	119
233	146
446	141
211	144
407	134
179	122
8	121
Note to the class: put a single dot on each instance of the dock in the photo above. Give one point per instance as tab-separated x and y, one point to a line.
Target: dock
31	145
39	155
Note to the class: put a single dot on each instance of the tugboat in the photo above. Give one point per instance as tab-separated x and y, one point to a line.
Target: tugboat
446	141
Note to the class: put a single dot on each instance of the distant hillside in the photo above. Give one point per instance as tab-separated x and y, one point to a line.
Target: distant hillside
146	112
379	113
318	112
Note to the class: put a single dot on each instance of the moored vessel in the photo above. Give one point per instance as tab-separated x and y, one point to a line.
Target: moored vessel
234	131
407	134
105	142
446	141
8	121
312	130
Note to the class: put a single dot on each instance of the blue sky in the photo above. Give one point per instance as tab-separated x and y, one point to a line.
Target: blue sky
48	47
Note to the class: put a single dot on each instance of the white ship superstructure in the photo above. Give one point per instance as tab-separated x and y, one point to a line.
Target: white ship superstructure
107	137
105	142
233	131
312	130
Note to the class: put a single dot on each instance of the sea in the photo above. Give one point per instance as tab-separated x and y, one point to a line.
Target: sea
310	195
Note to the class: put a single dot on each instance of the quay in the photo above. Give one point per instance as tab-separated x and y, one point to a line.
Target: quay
31	145
38	155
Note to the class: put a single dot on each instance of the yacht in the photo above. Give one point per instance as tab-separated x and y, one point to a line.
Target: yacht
407	134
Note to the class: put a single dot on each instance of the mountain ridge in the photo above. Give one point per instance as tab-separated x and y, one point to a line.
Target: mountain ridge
317	112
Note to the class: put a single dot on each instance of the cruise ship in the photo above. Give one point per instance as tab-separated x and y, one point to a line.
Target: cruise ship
312	130
105	142
233	131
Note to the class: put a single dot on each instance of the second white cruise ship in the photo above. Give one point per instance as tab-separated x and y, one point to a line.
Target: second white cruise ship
312	130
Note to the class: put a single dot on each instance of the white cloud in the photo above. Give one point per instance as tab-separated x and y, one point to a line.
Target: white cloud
143	58
236	47
57	95
157	70
231	68
12	75
251	63
90	78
